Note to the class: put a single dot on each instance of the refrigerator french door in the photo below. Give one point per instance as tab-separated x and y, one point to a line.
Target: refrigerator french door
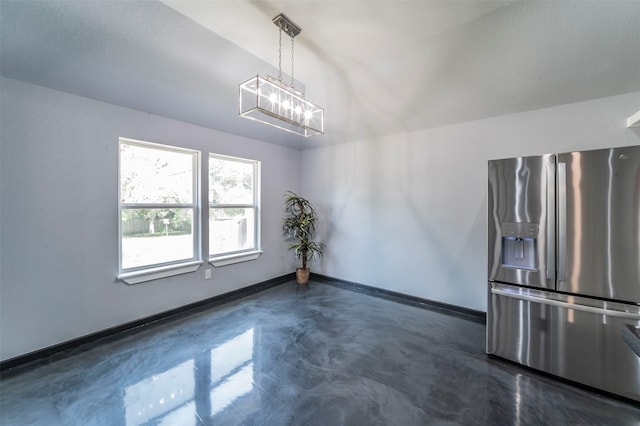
564	264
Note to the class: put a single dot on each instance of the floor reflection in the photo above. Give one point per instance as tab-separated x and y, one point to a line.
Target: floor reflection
195	390
231	371
160	395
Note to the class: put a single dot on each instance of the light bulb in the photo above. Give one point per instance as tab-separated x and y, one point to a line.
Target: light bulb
273	98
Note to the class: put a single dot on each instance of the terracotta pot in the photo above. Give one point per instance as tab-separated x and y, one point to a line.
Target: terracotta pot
302	275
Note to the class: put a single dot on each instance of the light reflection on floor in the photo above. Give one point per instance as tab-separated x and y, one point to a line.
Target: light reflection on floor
170	397
160	394
231	371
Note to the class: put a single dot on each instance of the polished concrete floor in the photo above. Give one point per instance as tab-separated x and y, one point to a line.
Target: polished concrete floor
311	355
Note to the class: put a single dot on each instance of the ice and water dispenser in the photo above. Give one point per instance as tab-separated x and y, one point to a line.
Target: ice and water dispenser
519	245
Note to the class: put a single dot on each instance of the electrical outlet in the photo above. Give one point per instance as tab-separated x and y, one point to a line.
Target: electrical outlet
207	274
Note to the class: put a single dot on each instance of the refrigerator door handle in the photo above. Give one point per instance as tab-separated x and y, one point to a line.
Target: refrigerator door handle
551	223
567	305
562	222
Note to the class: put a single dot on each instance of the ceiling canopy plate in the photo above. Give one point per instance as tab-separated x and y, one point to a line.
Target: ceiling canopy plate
287	25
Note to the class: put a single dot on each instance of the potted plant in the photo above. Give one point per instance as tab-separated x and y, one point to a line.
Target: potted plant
299	226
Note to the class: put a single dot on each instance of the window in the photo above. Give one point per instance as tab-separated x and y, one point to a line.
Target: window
159	214
234	217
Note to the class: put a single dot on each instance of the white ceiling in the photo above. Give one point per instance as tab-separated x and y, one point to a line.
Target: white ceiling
378	67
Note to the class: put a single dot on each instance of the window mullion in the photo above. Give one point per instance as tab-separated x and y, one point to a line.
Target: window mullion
141	206
232	206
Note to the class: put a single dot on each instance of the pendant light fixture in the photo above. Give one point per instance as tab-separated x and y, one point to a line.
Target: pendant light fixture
270	101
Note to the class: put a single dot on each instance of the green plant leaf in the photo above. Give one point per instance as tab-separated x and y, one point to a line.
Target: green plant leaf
299	225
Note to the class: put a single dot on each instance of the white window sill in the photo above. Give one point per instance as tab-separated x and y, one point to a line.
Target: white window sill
160	272
234	258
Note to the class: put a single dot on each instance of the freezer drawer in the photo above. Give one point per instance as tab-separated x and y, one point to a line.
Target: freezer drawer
576	338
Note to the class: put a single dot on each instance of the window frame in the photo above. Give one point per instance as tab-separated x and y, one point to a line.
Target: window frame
154	271
243	255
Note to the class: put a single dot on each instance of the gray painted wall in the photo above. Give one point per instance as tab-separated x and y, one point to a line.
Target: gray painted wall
59	226
408	212
405	213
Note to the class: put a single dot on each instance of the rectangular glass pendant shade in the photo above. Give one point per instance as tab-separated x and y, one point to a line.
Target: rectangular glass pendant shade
281	106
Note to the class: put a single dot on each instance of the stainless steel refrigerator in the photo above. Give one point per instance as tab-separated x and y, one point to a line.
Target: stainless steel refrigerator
564	265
